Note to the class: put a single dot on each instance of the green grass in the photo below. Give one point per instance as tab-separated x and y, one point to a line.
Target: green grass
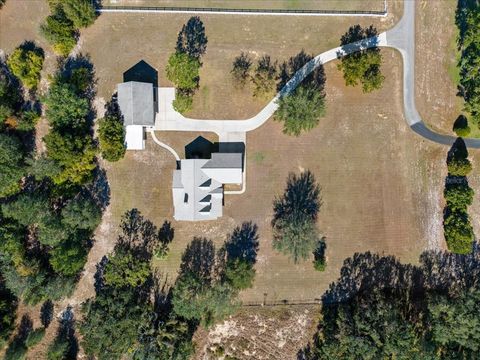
258	157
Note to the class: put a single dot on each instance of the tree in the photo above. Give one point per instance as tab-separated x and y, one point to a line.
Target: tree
458	196
74	154
295	214
80	12
111	134
65	109
183	70
264	77
81	213
206	302
69	257
241	253
458	232
124	269
183	101
27	209
200	294
191	39
8	308
59	32
12	166
241	69
364	64
301	110
455	322
26	62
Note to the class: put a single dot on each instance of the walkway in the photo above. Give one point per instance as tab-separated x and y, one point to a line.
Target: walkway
401	37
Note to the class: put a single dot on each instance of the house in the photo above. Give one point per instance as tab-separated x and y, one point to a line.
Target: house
198	185
136	102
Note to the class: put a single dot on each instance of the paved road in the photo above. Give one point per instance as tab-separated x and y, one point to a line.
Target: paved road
401	37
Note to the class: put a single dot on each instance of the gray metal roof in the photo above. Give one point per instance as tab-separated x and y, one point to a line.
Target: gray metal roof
224	161
135	100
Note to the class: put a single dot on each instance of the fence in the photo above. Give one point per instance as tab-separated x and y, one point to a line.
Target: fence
173	9
284	302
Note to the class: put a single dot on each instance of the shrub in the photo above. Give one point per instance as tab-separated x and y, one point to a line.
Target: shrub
265	77
319	259
26	63
111	135
27	120
68	257
59	32
183	102
239	274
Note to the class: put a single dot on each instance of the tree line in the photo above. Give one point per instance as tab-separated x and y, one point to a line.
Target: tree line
135	311
382	309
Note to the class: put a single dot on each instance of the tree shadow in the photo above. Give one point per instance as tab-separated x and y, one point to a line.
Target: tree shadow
460	123
46	313
17	348
243	243
142	72
358	39
288	69
199	259
99	189
166	233
458	150
66	334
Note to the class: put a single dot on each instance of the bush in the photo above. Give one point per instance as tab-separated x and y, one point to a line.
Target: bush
319	259
27	120
34	337
183	71
183	102
26	63
59	32
239	274
300	111
264	78
80	12
111	135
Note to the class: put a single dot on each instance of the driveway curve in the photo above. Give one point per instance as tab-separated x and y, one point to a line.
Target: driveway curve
401	37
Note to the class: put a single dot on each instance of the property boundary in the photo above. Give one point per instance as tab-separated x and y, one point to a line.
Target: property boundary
225	11
284	302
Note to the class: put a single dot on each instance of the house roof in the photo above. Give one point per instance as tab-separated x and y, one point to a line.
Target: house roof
198	185
135	100
224	161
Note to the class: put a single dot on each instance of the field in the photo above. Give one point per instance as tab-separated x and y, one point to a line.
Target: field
381	183
365	5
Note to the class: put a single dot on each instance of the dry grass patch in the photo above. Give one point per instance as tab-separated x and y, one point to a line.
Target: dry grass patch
365	5
118	41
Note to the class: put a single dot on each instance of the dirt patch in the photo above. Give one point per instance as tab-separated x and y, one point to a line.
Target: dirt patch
260	334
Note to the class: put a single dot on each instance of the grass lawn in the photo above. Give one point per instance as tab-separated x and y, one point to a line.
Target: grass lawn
365	5
381	187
